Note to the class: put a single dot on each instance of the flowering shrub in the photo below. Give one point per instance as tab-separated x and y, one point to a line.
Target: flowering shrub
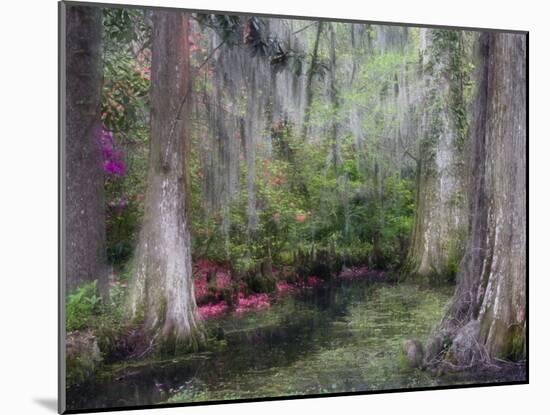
210	294
203	289
313	281
125	120
246	303
113	163
284	287
123	208
212	310
354	273
252	302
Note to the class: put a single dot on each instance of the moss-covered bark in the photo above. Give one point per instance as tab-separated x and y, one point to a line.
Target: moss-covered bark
487	316
440	219
162	293
313	68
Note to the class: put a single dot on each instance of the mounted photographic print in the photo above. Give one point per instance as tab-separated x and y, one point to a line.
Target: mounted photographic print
260	207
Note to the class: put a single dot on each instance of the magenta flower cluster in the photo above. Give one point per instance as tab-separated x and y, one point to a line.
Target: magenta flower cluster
113	162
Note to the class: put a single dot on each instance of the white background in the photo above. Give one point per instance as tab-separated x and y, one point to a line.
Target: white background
28	204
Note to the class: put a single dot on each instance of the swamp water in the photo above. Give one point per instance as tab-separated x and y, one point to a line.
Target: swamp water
341	338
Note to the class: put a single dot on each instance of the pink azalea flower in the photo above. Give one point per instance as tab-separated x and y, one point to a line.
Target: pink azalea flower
252	302
313	281
113	163
212	310
284	287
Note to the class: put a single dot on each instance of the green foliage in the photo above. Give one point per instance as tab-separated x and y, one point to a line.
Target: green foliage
82	307
335	213
125	92
308	197
124	208
125	25
127	57
85	309
351	205
125	112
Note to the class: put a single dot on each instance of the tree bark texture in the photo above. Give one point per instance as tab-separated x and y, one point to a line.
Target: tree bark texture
85	244
440	224
487	316
162	293
313	68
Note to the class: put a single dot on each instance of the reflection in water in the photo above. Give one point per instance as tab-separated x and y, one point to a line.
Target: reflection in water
336	338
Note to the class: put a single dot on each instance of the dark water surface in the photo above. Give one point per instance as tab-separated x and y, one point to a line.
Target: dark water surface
340	338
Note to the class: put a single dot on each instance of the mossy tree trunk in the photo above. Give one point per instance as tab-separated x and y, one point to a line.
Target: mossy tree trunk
313	69
487	316
85	240
440	221
162	294
334	101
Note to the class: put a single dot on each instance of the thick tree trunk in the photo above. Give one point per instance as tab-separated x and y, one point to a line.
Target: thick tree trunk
162	292
487	316
85	211
440	221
